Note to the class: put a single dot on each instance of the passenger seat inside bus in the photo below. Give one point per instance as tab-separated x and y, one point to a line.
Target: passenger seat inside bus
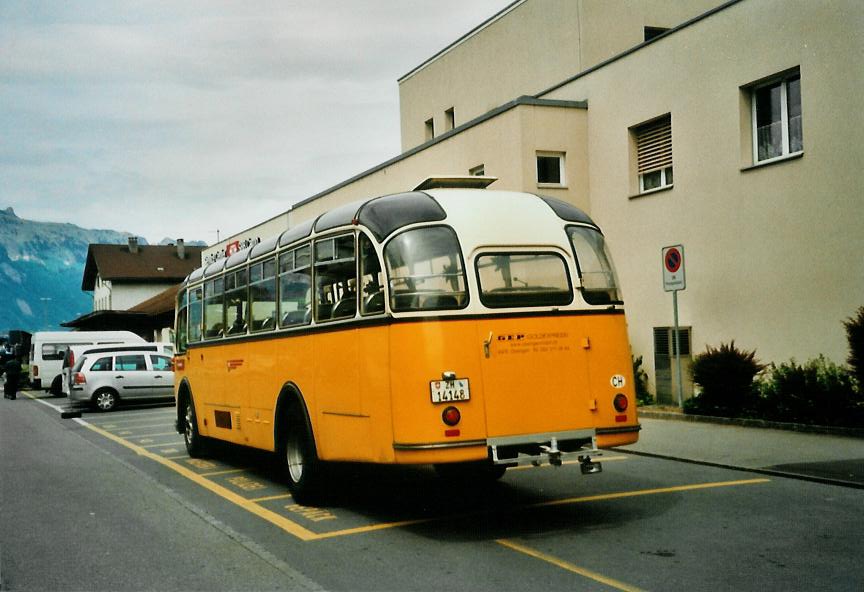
346	307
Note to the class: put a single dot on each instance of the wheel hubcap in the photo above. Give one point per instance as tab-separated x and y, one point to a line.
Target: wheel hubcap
105	401
294	456
189	433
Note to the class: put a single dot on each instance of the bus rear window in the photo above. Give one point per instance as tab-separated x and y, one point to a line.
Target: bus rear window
599	283
523	279
425	271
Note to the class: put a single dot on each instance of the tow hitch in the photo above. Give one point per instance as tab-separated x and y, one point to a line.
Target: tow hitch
588	466
554	448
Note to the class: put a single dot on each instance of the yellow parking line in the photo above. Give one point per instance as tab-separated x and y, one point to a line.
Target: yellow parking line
272	517
305	534
162	445
270	498
152	435
568	566
623	494
225	472
110	421
141	427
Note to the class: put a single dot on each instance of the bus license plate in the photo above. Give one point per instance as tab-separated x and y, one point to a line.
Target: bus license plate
448	391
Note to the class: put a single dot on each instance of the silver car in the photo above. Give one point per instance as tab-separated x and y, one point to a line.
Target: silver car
104	379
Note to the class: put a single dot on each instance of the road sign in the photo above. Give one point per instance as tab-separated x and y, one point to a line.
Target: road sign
673	268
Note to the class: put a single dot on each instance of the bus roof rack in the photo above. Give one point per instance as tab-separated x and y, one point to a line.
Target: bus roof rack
455	182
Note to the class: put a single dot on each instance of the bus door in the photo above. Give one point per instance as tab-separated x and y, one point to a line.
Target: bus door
534	366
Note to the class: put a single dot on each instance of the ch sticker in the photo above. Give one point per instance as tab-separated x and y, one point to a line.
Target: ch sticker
617	381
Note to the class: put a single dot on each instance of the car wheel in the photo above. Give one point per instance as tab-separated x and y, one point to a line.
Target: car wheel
56	389
105	400
302	468
195	442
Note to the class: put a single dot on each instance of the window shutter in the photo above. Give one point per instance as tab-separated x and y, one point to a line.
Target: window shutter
654	145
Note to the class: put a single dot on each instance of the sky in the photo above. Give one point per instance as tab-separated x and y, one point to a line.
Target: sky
178	119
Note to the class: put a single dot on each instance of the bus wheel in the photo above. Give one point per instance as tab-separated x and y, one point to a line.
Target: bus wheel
477	472
301	465
105	400
195	444
56	387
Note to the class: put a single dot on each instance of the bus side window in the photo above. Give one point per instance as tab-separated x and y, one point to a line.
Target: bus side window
425	270
335	278
371	278
262	295
236	302
214	319
295	287
196	313
180	337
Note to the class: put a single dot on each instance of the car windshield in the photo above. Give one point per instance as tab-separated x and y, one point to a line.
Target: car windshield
79	364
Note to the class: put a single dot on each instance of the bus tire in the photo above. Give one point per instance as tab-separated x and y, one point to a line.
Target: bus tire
196	444
105	399
56	389
299	459
471	472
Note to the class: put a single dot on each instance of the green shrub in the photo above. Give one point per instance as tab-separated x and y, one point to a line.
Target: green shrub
818	392
855	336
725	376
643	396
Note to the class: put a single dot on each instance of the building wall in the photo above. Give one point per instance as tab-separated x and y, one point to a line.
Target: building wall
773	253
505	145
534	46
124	296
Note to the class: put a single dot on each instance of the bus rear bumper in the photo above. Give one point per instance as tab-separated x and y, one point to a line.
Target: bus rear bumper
552	448
527	449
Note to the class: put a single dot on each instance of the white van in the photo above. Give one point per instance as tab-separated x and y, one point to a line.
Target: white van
47	349
76	352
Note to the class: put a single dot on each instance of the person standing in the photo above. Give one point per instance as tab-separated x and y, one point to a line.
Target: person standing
13	376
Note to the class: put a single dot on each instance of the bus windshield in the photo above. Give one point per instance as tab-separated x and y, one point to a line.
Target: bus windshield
599	283
425	270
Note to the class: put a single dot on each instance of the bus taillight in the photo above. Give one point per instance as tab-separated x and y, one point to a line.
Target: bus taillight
451	416
620	402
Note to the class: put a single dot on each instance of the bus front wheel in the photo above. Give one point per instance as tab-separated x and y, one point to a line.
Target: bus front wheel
301	465
195	443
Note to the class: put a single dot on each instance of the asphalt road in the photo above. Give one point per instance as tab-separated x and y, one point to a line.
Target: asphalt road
112	502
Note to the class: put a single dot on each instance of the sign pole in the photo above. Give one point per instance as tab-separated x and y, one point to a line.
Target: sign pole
674	280
678	350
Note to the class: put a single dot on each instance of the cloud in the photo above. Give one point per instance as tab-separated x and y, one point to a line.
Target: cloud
174	119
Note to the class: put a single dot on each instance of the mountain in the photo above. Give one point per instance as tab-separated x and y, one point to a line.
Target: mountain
41	267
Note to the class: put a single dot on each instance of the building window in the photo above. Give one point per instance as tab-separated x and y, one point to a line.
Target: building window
652	32
430	129
550	168
477	171
776	113
654	154
449	119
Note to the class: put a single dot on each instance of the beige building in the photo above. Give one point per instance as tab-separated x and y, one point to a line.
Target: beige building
734	133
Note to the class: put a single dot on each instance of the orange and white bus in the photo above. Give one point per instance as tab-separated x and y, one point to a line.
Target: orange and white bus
469	329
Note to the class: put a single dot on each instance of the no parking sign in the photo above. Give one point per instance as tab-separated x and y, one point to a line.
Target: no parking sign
673	268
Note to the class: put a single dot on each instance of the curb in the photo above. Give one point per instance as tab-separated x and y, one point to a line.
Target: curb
769	472
755	423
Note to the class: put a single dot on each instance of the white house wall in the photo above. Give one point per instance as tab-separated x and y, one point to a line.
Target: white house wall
774	253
